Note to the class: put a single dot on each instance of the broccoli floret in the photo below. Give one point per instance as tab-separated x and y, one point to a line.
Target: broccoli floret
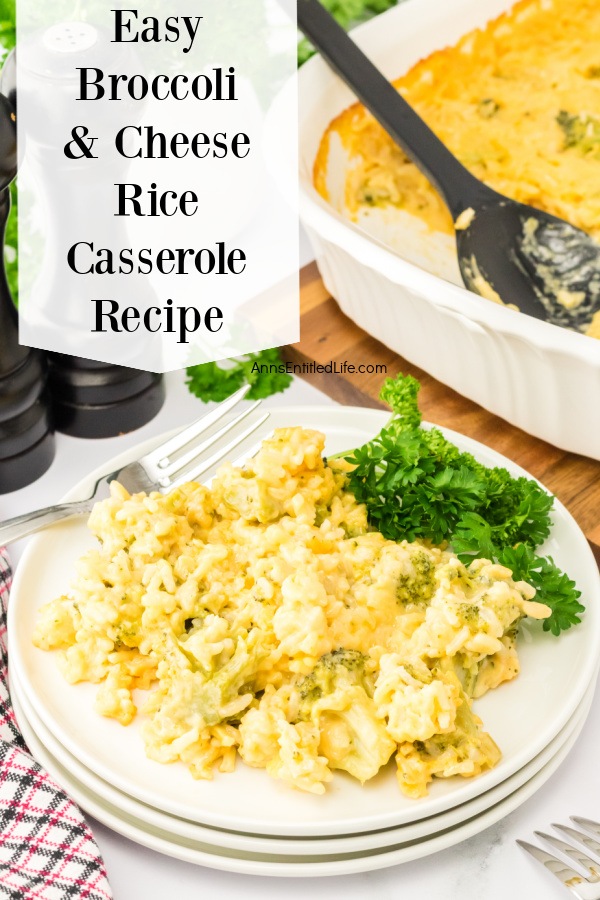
337	698
417	588
467	750
581	131
222	695
339	665
487	108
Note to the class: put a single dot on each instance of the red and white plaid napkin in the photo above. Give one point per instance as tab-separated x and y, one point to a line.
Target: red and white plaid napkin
47	851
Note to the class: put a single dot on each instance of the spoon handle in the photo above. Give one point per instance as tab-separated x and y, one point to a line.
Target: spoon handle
454	182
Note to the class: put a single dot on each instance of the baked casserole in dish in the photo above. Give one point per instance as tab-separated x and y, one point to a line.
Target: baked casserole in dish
516	97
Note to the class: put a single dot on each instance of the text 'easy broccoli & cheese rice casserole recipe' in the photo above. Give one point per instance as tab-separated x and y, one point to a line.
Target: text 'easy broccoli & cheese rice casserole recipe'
263	617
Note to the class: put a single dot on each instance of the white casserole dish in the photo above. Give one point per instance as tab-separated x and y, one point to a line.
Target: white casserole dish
542	378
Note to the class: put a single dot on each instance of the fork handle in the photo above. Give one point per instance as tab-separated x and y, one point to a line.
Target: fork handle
29	523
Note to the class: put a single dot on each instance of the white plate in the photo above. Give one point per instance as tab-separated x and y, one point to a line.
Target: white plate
555	676
321	846
255	864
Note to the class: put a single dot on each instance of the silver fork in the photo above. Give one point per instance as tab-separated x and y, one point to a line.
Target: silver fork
180	458
585	887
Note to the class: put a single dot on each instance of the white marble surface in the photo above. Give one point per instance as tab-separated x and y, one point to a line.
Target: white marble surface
489	866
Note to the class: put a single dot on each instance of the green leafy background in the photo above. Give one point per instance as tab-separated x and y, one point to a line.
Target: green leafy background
348	13
7	42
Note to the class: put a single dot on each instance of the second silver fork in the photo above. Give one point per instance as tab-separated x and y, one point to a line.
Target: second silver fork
179	459
584	887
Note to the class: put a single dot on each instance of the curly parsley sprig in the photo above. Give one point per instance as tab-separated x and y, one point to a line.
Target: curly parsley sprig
416	484
264	371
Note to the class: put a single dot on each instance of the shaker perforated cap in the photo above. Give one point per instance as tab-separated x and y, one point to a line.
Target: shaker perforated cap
70	37
54	53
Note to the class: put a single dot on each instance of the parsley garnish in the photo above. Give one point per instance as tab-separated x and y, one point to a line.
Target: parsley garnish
554	588
417	484
217	380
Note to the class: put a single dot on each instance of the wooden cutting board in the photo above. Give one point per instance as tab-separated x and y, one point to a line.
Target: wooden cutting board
327	335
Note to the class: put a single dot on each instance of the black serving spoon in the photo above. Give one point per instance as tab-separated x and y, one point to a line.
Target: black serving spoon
546	267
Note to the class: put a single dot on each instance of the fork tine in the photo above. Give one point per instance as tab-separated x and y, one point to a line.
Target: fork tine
592	845
578	856
588	824
160	456
192	454
564	873
192	472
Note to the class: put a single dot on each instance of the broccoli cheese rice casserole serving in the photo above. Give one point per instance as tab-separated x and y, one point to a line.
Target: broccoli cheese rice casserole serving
517	102
262	617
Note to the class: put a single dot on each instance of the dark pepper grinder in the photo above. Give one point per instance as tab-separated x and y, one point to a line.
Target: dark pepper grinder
26	434
93	399
90	399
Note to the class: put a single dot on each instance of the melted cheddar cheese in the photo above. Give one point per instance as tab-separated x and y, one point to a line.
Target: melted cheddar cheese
517	102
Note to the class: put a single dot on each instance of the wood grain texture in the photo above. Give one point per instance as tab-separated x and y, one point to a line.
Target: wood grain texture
327	335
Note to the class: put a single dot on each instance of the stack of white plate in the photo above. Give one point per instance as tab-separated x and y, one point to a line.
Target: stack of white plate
247	822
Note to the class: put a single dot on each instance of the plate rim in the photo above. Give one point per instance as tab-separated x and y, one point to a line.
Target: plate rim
356	863
415	830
